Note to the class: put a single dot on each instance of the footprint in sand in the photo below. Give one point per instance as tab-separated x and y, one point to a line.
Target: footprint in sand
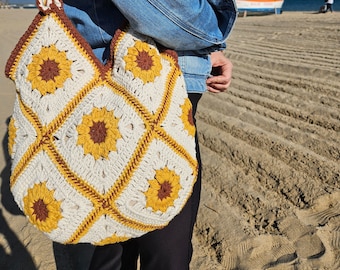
262	252
310	240
307	244
324	217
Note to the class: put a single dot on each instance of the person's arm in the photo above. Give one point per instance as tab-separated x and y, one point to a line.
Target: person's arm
222	72
181	24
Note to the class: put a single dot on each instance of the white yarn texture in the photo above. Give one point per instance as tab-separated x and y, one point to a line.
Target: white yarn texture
100	153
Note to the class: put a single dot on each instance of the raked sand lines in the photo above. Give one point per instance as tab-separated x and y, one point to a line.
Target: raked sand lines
271	149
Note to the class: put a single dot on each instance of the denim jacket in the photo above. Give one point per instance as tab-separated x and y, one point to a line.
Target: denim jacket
194	28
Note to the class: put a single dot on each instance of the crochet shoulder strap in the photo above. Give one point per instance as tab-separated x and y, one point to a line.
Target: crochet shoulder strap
45	5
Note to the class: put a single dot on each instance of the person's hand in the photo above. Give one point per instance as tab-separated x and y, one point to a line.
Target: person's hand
221	73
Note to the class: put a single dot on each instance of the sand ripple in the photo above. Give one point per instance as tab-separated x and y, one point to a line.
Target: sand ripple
271	149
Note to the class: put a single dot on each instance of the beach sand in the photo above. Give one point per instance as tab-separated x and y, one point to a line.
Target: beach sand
270	150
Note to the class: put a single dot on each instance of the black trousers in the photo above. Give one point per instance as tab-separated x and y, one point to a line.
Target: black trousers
329	7
167	249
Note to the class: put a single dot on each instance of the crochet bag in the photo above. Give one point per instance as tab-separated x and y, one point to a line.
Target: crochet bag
100	153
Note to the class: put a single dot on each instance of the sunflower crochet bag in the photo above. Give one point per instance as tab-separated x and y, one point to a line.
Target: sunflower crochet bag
100	153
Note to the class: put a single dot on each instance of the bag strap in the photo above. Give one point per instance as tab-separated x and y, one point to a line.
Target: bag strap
46	6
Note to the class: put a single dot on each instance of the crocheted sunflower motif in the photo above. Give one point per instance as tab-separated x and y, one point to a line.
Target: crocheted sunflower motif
187	117
163	190
143	61
49	70
98	133
42	208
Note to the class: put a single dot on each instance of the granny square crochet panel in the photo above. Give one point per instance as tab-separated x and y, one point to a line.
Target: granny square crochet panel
100	153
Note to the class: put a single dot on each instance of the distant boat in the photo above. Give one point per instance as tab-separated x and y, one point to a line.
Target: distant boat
260	5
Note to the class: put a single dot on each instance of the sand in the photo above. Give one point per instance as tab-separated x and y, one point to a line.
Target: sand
270	150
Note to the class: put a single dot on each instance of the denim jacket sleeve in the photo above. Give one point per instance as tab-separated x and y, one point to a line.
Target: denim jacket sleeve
198	25
192	28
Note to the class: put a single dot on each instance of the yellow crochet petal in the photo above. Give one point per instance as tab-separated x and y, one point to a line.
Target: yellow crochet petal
187	117
49	70
143	61
96	142
42	208
163	190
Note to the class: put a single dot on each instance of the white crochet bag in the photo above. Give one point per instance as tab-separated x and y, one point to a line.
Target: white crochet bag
100	153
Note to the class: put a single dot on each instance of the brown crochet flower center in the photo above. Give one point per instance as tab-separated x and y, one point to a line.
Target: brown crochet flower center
98	132
49	70
190	117
40	210
144	60
164	190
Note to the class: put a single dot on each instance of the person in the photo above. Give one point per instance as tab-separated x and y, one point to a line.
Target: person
328	6
197	31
